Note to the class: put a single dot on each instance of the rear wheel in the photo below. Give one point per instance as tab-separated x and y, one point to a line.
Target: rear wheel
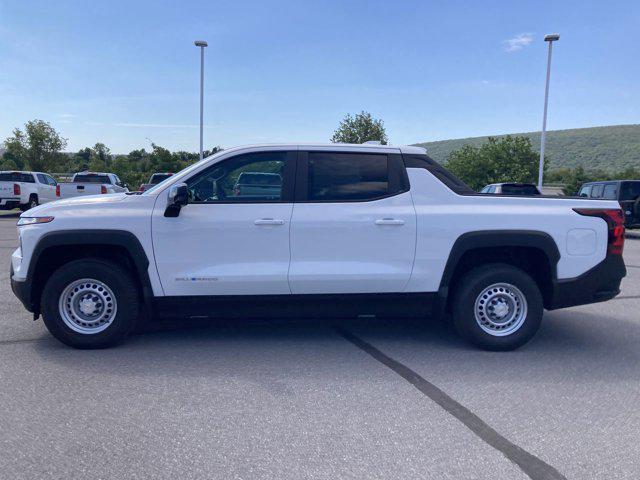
90	303
497	307
33	203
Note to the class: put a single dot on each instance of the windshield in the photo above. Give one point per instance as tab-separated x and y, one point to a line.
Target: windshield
182	173
520	189
16	177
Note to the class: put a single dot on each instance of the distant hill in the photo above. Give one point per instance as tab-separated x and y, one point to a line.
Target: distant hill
611	148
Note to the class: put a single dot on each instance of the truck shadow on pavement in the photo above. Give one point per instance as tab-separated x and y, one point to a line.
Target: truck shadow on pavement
582	345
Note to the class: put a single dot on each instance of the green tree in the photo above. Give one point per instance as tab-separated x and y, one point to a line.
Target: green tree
359	129
100	158
36	148
507	159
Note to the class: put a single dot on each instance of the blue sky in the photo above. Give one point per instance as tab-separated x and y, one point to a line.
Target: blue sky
126	72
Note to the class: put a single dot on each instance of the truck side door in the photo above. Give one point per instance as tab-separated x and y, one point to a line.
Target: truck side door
353	228
225	242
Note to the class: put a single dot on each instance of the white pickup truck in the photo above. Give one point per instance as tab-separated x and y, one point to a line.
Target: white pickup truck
353	230
92	183
26	190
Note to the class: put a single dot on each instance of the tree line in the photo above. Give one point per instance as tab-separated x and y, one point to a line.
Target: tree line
506	159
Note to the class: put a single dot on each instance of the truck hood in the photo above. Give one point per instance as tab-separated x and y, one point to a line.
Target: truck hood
77	201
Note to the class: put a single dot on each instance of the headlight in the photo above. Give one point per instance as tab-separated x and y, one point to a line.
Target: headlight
33	220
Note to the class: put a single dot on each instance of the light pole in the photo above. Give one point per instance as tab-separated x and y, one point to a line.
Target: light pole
548	38
202	44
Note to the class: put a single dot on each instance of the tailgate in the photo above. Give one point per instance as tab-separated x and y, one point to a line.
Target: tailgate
6	190
69	190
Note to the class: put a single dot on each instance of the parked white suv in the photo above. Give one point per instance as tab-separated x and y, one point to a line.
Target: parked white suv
26	190
351	230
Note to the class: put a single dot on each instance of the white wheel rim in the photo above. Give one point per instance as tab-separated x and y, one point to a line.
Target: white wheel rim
87	306
500	309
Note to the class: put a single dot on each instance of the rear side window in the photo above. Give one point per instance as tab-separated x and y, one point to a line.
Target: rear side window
597	190
610	191
338	177
91	178
585	191
16	177
630	191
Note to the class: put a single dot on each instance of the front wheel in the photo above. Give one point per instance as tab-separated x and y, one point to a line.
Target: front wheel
497	307
90	303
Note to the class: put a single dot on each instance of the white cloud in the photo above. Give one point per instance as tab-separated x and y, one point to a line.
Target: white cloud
66	115
518	42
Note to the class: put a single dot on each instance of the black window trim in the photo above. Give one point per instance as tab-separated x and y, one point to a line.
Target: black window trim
288	178
396	175
457	186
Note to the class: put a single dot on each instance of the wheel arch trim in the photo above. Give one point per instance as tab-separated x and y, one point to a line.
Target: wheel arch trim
92	237
498	238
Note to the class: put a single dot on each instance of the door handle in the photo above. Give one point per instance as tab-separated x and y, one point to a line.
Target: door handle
268	221
389	221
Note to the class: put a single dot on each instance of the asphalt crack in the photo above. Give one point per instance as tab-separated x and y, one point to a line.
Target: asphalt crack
531	465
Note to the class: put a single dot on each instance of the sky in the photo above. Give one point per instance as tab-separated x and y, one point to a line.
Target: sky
126	73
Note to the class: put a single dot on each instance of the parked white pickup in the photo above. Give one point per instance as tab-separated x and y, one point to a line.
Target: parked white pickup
350	230
26	190
92	183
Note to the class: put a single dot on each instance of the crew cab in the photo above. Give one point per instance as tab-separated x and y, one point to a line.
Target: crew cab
26	190
91	183
354	230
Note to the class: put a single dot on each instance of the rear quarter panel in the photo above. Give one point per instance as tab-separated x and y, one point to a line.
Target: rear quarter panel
443	216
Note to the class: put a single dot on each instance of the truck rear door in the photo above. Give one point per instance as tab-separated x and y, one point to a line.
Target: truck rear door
353	228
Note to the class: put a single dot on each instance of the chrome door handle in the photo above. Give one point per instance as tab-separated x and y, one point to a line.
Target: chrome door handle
268	221
389	221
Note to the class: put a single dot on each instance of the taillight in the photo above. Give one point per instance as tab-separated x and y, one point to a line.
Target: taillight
103	189
615	224
16	189
57	190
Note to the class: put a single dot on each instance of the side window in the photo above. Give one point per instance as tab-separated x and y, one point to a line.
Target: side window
491	189
610	191
42	179
585	191
597	190
485	190
249	178
343	177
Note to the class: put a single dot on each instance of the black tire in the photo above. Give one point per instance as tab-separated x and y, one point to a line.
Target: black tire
117	279
33	202
468	290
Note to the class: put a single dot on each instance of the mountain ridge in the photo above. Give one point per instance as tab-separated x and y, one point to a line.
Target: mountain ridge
611	148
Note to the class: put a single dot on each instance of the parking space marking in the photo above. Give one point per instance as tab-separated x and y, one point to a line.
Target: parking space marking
626	297
531	465
19	340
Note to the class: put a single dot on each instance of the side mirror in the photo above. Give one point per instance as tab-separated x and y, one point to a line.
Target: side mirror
178	198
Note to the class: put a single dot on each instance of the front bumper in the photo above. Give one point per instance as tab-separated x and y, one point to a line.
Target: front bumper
598	284
22	290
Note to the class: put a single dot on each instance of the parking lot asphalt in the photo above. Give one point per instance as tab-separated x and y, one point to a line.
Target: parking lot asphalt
301	399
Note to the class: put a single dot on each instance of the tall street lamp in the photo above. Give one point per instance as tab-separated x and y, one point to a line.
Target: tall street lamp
202	44
548	38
